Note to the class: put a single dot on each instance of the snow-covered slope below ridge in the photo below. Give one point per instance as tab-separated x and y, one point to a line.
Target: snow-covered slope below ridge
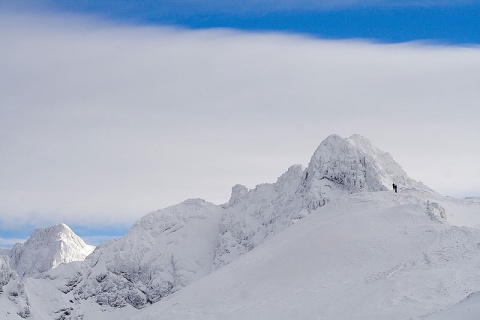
168	249
376	255
13	297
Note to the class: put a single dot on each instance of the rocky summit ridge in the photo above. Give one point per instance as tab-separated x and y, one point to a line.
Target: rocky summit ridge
169	249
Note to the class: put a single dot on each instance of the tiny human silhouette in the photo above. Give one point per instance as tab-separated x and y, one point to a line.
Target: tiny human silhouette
395	187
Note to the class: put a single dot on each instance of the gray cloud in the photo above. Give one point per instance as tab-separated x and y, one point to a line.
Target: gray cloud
100	124
96	240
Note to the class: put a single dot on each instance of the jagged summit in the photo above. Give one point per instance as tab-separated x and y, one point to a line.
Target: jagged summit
356	165
168	249
48	248
333	227
339	166
353	165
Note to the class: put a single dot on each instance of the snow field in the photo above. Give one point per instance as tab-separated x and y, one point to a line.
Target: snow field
369	256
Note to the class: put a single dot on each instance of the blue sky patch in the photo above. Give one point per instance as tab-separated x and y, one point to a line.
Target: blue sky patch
446	22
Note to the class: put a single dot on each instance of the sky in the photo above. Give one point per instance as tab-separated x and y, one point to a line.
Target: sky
110	110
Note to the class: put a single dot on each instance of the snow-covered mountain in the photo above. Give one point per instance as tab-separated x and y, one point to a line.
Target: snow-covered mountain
332	239
48	248
372	255
168	249
338	167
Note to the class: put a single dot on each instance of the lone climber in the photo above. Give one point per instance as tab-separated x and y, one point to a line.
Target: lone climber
395	187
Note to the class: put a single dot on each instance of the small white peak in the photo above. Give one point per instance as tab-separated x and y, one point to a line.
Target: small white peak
355	164
238	192
63	226
359	139
293	170
364	145
290	178
48	248
195	201
333	137
330	148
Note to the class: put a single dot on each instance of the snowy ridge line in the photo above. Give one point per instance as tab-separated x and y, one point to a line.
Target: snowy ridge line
155	258
373	255
169	249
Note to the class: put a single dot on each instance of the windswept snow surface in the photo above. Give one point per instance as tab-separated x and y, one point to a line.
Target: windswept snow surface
376	255
462	212
467	309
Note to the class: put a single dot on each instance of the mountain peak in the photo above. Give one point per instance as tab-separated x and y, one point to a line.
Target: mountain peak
51	232
48	248
238	192
352	165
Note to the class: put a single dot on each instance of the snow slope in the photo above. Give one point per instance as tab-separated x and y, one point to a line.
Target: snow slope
467	309
13	299
376	255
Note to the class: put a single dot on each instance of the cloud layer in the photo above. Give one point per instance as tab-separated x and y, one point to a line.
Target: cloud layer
100	123
7	243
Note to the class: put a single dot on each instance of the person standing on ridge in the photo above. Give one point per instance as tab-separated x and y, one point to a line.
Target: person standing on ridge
395	187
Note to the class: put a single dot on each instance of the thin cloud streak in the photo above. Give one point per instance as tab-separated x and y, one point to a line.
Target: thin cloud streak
96	240
101	124
7	243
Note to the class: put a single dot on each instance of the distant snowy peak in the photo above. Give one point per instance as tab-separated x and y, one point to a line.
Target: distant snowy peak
48	248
